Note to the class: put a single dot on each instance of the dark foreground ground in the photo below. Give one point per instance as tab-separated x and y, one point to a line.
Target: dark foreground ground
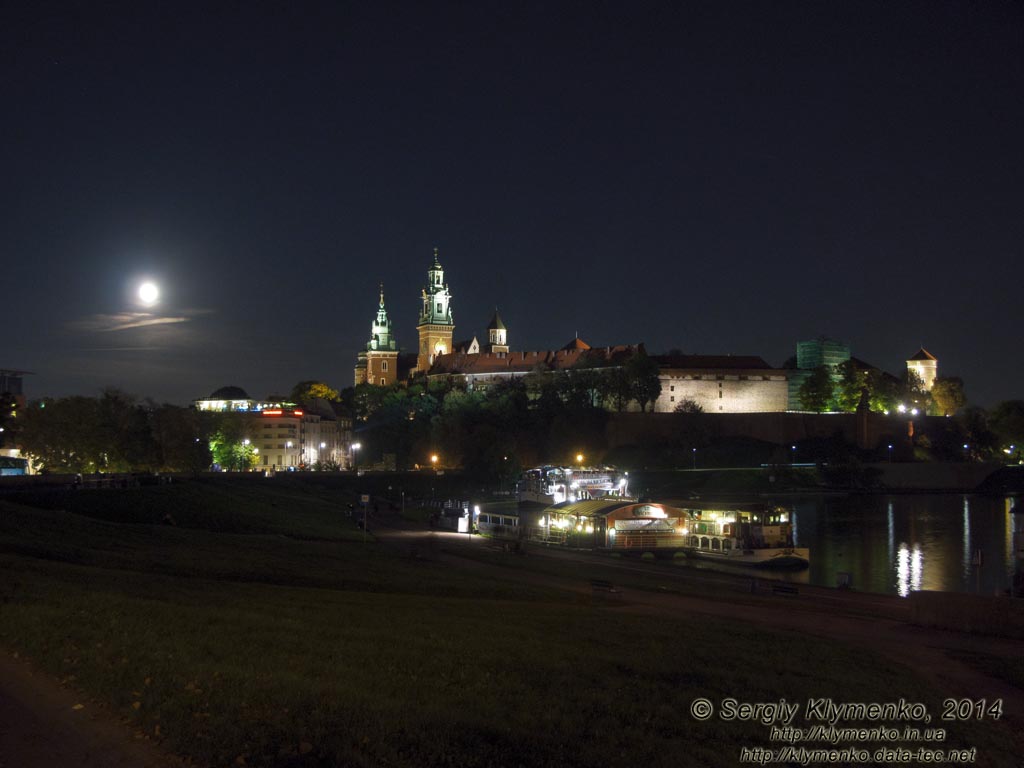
250	624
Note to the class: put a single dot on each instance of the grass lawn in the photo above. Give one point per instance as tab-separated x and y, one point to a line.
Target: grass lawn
260	626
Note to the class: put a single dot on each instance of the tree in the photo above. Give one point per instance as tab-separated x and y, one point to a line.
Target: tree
1007	421
63	435
619	388
981	441
307	391
817	390
8	421
182	439
883	391
948	395
229	446
851	385
688	405
644	380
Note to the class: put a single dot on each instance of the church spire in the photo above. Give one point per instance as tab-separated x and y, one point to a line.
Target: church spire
380	331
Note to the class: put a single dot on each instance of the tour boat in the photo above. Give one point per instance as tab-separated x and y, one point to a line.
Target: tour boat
756	536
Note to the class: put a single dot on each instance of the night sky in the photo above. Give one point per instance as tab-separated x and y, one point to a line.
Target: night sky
717	177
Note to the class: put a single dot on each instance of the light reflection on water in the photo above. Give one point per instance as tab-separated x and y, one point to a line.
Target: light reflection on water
902	543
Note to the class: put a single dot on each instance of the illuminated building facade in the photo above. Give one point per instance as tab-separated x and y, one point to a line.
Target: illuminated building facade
720	384
925	365
435	325
378	363
283	435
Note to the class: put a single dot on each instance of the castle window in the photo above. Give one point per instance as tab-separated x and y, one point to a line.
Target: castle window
384	365
383	382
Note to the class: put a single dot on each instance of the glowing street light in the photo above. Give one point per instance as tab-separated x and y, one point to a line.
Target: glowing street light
579	459
355	455
890	453
433	460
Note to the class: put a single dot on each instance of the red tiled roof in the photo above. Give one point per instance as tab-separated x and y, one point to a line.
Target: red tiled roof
577	343
523	362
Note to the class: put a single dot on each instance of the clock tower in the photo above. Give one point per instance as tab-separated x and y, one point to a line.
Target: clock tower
435	325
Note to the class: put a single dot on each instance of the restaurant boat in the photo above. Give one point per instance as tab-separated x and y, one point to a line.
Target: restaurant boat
760	536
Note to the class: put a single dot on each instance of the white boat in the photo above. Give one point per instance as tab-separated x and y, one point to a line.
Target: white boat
760	536
555	485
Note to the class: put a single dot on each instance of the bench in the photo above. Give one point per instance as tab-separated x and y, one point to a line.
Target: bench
603	585
785	589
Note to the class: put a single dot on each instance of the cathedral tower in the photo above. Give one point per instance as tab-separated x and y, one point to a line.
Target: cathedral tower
436	325
378	363
497	334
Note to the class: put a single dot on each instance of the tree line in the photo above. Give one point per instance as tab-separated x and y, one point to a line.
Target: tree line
845	387
119	433
495	430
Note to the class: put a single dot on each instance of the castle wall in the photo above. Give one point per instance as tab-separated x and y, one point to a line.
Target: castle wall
754	392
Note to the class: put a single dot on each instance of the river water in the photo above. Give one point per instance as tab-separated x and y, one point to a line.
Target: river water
901	543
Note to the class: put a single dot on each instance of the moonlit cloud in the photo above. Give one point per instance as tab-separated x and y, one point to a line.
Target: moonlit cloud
127	321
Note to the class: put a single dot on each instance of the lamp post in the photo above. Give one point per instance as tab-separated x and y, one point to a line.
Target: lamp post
355	456
694	454
967	454
890	453
433	461
579	460
792	459
289	444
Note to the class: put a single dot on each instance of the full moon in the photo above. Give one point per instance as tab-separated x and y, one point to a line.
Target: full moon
148	294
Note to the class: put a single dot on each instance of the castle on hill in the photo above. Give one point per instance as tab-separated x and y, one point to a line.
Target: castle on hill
715	383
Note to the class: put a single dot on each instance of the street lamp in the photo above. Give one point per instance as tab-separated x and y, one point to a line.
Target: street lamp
694	458
433	460
355	455
289	444
966	449
890	453
579	459
792	460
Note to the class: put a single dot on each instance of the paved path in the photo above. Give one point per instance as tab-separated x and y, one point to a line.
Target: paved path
45	726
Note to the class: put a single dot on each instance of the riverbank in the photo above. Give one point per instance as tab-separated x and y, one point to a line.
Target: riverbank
256	628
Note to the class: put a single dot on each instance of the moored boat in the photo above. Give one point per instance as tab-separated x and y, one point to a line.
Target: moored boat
760	536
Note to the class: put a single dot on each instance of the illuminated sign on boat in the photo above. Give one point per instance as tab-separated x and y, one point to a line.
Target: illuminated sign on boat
648	510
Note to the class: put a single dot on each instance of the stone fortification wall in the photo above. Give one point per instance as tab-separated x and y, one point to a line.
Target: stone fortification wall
754	393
